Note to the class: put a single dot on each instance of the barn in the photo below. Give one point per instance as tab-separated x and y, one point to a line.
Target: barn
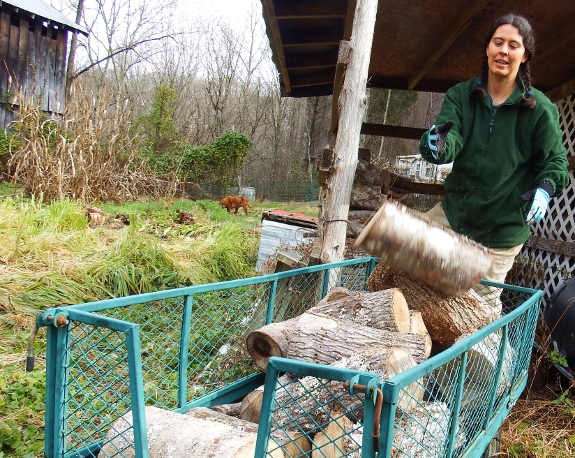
33	49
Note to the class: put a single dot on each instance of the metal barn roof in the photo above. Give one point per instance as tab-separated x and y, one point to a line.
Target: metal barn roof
46	11
424	45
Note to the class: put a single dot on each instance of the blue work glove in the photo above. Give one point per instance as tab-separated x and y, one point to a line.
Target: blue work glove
540	196
437	137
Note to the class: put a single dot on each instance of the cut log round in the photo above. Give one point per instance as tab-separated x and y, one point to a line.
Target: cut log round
385	309
233	410
446	317
417	326
204	433
335	440
398	361
270	340
431	253
251	405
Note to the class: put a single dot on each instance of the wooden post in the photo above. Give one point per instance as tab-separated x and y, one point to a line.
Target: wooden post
335	194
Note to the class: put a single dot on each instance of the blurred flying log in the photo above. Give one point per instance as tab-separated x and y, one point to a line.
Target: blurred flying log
431	253
96	216
200	432
305	400
446	317
369	313
424	433
337	438
480	372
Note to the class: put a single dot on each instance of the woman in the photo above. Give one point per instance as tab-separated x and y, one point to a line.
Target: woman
504	139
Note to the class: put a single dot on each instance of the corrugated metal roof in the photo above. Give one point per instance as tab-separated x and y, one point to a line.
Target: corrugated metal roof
46	11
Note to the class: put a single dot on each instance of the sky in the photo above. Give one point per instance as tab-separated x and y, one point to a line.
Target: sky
228	10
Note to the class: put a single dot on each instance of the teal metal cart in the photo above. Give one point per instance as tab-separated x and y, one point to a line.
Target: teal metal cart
185	348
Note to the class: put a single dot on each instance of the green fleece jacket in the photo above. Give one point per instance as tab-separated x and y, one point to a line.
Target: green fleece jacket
497	156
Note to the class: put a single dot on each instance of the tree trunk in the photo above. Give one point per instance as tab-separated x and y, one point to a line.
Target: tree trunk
429	252
335	194
446	317
72	55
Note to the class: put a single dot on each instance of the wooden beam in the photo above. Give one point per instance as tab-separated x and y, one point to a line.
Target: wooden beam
335	195
552	246
385	130
297	9
571	163
311	60
560	39
351	4
561	91
312	79
452	33
317	36
278	45
342	62
397	185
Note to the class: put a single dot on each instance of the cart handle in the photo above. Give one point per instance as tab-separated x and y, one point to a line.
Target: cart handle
378	405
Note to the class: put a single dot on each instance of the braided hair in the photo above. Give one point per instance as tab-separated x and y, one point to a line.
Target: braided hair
526	32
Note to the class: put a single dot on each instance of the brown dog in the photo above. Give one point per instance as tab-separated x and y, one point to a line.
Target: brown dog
235	202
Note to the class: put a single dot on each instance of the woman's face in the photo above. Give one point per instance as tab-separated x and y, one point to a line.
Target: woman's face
505	52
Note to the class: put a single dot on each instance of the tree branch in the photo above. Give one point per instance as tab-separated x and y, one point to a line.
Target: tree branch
119	51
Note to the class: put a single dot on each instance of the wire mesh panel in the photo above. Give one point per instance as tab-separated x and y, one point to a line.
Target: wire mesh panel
305	413
190	348
446	407
98	385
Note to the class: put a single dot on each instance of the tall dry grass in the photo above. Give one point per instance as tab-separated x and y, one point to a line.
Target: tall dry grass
86	154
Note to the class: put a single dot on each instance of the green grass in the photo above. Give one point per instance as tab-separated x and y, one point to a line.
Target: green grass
51	256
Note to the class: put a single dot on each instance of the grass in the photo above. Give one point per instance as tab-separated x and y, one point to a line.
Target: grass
51	256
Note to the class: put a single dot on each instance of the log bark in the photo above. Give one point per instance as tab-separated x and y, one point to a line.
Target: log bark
385	309
366	197
326	340
233	410
429	252
446	317
204	433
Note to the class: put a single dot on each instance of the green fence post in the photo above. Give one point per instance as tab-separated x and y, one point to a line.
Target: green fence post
184	350
325	283
54	434
456	407
137	391
495	381
271	302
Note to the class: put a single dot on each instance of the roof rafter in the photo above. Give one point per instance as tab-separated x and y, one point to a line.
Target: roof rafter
448	38
275	30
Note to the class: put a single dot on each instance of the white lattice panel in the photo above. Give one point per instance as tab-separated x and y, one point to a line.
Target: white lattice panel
541	269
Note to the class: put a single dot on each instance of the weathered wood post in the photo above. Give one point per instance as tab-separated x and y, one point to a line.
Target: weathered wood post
336	190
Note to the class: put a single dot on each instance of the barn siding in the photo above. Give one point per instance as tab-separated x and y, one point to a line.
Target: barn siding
36	63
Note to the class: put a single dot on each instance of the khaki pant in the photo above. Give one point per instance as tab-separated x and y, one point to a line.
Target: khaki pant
503	259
